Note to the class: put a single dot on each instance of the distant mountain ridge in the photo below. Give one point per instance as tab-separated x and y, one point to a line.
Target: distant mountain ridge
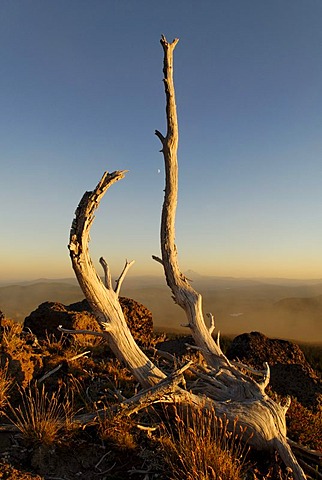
283	308
17	301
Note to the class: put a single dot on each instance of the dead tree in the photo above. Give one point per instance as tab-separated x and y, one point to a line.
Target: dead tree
227	386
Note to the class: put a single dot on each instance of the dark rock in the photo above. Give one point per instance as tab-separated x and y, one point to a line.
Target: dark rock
177	346
48	316
291	374
79	316
256	348
139	319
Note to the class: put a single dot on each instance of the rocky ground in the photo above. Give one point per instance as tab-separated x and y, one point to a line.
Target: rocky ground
83	374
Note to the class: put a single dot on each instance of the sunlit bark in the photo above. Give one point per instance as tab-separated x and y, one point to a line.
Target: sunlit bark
227	386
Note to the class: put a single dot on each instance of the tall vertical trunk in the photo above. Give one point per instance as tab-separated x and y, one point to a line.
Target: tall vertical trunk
225	385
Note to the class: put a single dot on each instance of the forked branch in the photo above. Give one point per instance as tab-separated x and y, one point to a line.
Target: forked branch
185	296
108	278
264	418
119	281
102	298
224	385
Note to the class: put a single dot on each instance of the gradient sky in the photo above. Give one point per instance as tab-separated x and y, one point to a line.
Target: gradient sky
81	92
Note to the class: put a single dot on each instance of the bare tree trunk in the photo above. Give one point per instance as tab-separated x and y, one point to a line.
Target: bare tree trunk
223	384
184	294
247	399
103	299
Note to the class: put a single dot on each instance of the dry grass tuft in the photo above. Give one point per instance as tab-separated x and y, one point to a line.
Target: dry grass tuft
199	446
5	384
304	425
10	337
116	430
43	419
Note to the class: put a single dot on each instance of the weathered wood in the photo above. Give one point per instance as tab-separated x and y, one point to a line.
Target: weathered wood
166	391
236	394
120	280
103	299
184	294
225	387
56	369
107	273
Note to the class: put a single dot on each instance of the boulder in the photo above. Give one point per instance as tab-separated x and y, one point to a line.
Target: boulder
139	320
48	316
291	374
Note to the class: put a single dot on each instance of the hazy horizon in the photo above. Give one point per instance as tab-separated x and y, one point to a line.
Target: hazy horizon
282	308
160	276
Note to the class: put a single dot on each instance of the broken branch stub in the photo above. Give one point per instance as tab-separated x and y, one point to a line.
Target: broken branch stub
185	296
102	298
236	394
225	387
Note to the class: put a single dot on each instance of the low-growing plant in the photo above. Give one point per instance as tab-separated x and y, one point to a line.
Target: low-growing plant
272	472
42	418
55	345
305	425
5	384
120	377
313	354
116	429
200	446
10	336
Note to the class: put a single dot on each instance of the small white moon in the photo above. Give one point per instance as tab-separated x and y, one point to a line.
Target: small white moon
159	171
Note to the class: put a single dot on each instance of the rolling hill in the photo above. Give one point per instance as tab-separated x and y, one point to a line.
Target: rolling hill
282	308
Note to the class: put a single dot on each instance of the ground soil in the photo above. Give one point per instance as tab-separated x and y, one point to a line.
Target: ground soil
97	378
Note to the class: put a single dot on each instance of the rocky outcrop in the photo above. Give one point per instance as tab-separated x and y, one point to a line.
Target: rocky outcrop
79	316
139	319
22	361
177	347
291	374
43	321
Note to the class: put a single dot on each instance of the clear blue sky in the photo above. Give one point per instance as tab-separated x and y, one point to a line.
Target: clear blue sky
81	92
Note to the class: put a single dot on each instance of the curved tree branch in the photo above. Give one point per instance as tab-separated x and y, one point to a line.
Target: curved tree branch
104	301
224	385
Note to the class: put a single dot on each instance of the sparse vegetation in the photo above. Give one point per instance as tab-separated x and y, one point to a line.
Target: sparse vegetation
313	354
198	446
5	384
43	415
42	418
116	430
10	336
305	425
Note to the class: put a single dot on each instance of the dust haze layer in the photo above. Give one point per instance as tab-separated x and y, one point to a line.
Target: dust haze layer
284	308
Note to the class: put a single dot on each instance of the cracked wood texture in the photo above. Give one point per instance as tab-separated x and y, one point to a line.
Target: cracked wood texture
103	299
236	395
224	385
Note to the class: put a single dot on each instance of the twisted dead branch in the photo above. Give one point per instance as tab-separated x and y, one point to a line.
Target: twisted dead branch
225	385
